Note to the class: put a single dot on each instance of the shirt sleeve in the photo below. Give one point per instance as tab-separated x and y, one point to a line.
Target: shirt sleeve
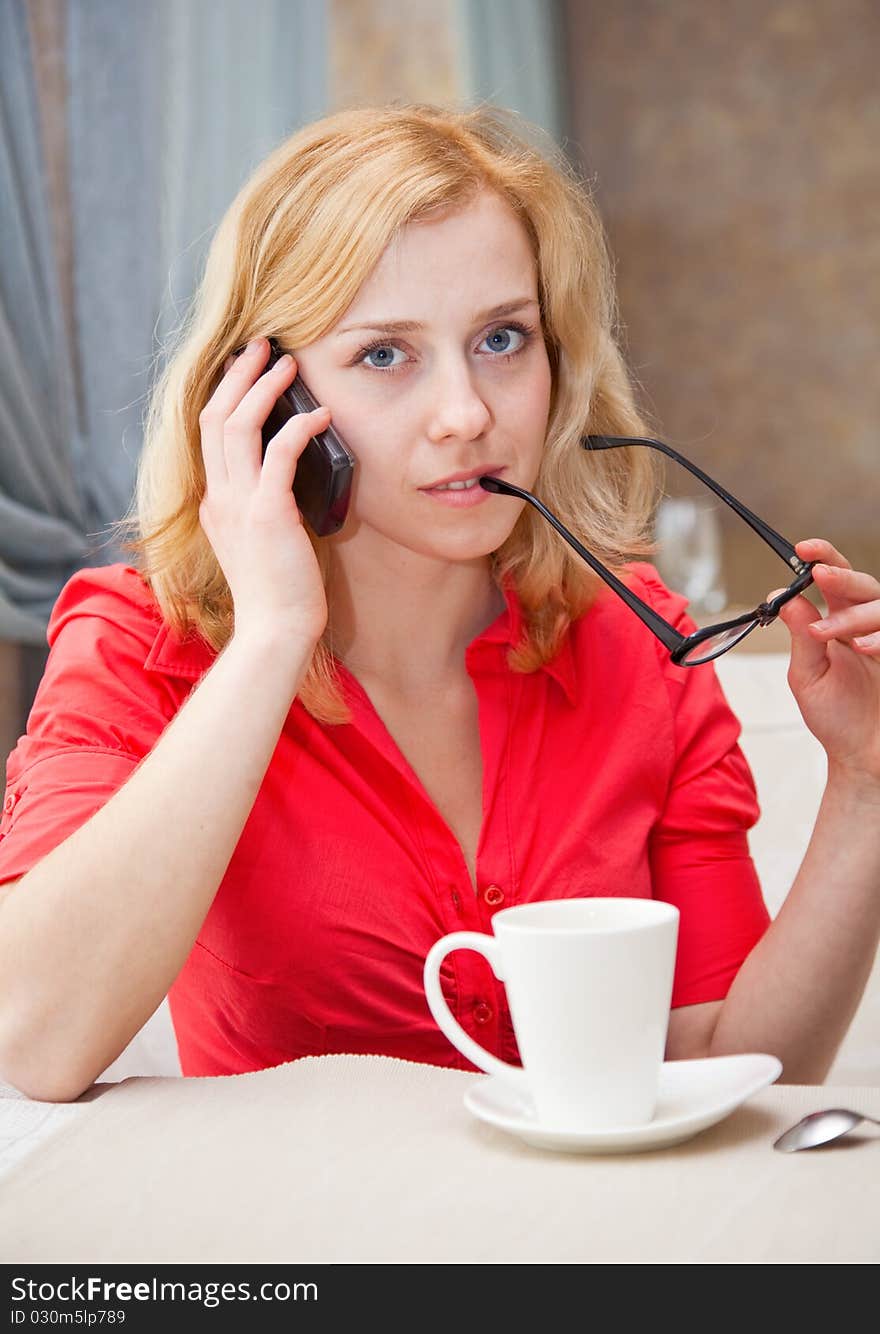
96	714
699	851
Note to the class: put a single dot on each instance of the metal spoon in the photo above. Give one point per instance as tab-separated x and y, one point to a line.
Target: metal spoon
820	1128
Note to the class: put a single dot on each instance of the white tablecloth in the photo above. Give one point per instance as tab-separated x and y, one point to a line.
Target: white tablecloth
369	1159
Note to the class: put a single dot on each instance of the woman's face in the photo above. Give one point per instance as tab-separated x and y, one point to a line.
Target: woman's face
437	369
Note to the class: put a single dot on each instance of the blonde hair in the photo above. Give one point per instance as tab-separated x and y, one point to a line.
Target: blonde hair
287	259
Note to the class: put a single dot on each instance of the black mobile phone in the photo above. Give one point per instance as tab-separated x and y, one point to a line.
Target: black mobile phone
325	468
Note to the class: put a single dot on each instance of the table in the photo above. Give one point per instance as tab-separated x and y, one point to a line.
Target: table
371	1159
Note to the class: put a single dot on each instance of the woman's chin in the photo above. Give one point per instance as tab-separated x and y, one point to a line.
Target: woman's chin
463	546
461	537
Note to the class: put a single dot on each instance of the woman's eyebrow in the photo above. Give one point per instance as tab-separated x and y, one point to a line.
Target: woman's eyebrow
412	326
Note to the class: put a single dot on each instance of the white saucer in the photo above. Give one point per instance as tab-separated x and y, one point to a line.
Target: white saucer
693	1095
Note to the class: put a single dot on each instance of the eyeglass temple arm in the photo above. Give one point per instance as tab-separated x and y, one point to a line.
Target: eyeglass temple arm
666	633
770	536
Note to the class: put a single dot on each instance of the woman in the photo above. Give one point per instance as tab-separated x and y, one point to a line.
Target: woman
267	770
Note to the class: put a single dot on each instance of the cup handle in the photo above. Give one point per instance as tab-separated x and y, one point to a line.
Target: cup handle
446	1021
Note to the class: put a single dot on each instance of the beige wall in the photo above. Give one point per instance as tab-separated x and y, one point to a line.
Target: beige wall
735	151
384	49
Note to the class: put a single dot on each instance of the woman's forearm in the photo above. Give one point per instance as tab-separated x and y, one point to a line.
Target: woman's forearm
93	936
797	992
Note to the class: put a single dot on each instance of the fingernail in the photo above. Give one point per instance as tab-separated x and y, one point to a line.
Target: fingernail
821	625
774	594
253	345
868	641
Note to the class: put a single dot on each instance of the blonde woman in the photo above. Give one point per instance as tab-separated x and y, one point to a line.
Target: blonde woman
266	769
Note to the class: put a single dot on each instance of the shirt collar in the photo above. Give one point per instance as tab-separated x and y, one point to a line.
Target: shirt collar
191	657
508	629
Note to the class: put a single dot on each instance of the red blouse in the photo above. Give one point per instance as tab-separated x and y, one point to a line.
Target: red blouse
607	771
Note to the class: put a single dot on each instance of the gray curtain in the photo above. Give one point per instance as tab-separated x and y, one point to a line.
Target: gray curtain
125	131
512	55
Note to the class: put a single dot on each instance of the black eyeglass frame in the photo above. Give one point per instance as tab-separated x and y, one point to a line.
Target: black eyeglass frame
680	646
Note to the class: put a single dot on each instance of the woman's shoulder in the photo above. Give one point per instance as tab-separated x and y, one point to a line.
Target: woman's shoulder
620	658
117	595
613	643
645	581
109	614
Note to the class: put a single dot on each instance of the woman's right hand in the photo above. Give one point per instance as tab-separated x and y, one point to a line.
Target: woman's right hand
248	511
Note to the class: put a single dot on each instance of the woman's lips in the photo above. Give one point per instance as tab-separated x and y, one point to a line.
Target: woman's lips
462	498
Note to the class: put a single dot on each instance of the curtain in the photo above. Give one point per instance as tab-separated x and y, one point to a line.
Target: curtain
125	132
511	54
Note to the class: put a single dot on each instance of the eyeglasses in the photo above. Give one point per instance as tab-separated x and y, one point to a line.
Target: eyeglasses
712	640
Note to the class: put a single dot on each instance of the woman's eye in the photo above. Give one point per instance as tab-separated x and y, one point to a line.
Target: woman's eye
507	339
383	356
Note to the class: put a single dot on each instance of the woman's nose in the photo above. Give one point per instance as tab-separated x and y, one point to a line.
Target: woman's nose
458	410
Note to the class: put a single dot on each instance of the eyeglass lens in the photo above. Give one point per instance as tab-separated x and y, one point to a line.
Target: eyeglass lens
717	644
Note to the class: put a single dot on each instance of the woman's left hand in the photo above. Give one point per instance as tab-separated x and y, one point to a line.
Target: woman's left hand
834	672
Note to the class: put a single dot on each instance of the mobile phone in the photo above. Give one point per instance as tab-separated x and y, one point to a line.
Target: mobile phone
325	468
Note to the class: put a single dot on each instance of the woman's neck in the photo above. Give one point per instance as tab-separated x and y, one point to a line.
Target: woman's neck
409	629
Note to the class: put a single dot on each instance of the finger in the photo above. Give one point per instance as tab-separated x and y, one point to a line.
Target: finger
843	587
869	645
809	655
286	447
244	427
817	548
861	619
239	374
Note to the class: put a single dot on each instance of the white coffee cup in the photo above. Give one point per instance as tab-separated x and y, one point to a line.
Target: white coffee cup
589	985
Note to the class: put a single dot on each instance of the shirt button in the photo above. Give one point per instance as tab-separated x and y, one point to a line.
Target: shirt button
9	803
456	900
482	1012
493	895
